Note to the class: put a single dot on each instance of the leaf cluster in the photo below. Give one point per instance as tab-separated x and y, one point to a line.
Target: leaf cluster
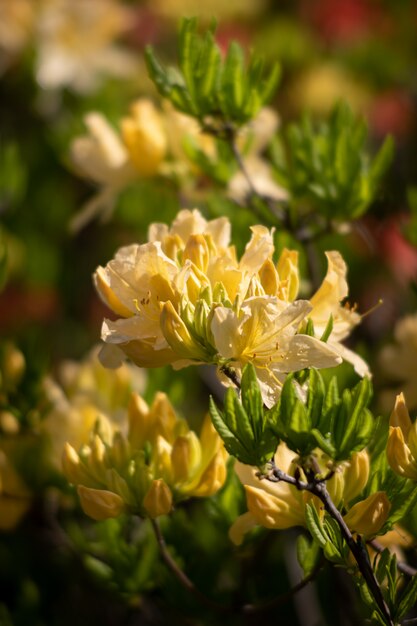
207	86
326	534
339	424
328	167
243	423
400	598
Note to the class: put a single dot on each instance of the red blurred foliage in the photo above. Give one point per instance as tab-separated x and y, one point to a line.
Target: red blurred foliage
394	249
341	21
226	33
392	112
21	307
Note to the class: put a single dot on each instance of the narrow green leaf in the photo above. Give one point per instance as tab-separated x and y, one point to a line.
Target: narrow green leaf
408	599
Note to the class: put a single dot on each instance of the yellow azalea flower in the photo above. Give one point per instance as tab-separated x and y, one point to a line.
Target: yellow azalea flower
75	43
283	281
144	137
398	363
402	441
113	161
368	516
158	462
263	332
279	505
184	298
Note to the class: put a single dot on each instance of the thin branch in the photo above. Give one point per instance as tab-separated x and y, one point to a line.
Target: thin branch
181	576
319	489
402	567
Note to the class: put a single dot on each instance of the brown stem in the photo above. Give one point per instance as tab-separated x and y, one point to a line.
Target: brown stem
319	489
181	576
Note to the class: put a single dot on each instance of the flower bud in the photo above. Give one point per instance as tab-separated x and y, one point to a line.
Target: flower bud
99	503
356	475
178	336
73	467
144	137
185	455
212	478
138	413
158	500
399	455
197	252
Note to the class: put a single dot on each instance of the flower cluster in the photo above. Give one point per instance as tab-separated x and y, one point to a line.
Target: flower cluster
280	505
159	462
185	298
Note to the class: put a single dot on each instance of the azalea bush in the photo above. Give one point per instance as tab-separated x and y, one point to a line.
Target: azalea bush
243	440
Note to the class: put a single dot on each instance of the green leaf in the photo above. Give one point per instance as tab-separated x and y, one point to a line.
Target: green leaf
308	553
314	525
252	400
408	599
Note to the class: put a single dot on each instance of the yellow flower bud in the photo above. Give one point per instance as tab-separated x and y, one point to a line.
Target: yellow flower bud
158	500
138	414
400	416
73	467
144	137
185	456
399	455
368	516
178	336
8	423
356	475
99	503
212	478
13	366
120	452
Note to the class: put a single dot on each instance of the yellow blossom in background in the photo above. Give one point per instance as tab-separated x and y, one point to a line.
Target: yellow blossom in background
76	45
398	364
88	395
113	160
279	505
16	23
176	9
402	441
319	87
185	298
159	462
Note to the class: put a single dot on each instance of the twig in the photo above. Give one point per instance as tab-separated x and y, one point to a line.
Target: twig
181	576
246	609
319	489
